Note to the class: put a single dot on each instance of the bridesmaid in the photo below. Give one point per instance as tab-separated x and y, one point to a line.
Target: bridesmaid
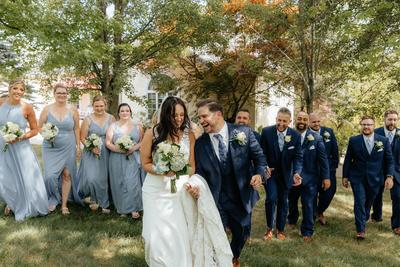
125	175
60	160
93	172
21	181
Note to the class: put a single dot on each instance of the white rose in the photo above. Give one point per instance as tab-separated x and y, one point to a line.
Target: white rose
310	137
9	137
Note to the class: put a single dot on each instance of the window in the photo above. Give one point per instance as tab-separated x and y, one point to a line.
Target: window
154	102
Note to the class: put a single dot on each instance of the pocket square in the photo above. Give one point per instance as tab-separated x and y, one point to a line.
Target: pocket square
327	140
380	150
311	147
291	147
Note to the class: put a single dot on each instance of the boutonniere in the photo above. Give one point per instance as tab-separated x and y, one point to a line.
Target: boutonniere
310	137
378	145
326	135
288	138
398	134
239	137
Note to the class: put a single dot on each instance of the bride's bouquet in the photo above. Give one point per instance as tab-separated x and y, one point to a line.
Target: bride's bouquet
170	157
10	132
49	132
93	141
125	143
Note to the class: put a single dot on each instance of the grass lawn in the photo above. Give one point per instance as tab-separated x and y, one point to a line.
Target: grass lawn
85	238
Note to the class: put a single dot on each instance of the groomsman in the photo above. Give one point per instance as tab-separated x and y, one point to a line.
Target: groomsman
315	172
393	134
282	147
243	118
332	150
368	160
389	131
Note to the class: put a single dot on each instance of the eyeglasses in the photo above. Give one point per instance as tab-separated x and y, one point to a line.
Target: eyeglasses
366	125
61	93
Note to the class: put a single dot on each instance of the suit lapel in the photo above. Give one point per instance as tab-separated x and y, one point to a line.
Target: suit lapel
211	152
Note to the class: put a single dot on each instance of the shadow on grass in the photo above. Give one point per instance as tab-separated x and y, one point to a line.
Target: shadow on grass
83	238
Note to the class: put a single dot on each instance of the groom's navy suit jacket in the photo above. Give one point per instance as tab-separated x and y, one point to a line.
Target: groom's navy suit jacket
242	158
395	152
359	165
290	161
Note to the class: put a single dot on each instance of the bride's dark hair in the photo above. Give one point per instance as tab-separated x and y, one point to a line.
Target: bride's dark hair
166	125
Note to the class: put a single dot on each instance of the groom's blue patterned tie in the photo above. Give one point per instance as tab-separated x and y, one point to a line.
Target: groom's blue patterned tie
222	150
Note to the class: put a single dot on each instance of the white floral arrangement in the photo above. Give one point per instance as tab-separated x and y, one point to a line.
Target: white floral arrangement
170	157
93	141
326	135
310	137
288	138
378	145
10	132
125	143
398	134
239	137
49	132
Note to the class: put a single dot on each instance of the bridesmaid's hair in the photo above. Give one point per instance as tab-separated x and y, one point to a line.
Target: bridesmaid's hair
100	98
16	81
59	85
165	126
123	105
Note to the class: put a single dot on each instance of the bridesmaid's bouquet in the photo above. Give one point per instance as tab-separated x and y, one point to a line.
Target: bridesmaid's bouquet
125	143
93	141
10	132
49	132
170	157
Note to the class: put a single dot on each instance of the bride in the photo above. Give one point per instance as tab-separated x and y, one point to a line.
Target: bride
178	229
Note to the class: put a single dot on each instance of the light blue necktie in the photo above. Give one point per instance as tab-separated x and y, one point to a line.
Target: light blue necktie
222	150
281	140
369	145
390	136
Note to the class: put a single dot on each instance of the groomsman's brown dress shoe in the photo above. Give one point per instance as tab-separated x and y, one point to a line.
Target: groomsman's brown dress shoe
235	262
307	238
268	235
396	231
360	236
281	235
321	219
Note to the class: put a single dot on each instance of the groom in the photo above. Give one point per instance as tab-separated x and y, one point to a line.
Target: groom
224	155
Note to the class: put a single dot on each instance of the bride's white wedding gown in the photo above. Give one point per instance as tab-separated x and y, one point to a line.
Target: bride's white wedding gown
179	232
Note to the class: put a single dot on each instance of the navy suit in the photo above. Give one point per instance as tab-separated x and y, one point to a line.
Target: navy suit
257	136
230	182
285	163
315	169
395	191
366	173
332	151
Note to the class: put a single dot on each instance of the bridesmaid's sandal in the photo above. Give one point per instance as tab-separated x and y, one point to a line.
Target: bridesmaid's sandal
52	208
94	207
65	211
7	211
105	211
135	215
87	200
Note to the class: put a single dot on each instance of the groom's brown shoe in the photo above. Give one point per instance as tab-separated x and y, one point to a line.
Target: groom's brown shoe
235	262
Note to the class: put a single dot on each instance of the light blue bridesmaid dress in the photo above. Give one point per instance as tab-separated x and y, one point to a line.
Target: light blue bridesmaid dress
125	175
59	157
21	181
93	172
